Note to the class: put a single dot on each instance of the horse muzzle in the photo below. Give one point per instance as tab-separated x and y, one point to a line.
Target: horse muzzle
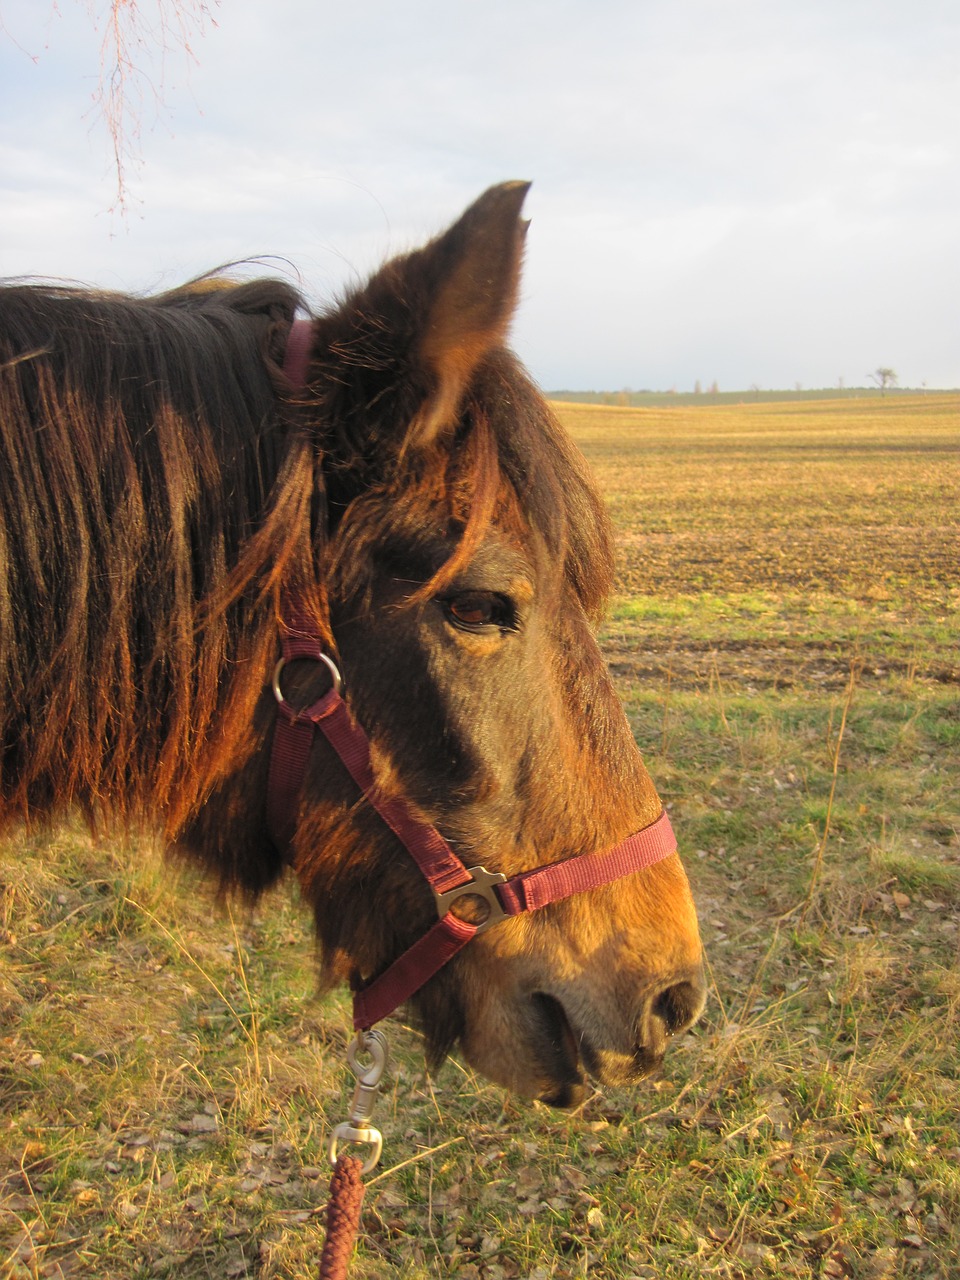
569	1050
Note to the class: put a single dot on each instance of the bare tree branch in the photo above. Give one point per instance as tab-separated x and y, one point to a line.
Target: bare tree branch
134	32
138	36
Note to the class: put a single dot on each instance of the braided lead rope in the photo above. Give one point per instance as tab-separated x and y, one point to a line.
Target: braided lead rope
367	1059
343	1217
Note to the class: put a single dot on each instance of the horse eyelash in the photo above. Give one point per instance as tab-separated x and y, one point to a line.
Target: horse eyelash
510	621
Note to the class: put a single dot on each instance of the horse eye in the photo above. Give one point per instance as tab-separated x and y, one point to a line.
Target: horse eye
477	610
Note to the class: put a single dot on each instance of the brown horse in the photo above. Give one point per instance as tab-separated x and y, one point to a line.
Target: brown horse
172	472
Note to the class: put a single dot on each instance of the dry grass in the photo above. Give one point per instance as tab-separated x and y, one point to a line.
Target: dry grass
167	1075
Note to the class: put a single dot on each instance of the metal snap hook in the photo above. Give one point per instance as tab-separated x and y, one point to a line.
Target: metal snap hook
375	1044
368	1077
357	1128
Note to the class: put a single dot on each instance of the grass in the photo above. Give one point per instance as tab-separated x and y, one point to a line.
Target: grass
784	638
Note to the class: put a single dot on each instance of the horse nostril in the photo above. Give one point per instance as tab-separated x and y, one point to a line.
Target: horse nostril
678	1006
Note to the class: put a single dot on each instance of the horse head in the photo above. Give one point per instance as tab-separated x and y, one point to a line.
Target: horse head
463	558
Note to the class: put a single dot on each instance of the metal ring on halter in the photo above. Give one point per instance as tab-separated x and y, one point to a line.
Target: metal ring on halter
320	657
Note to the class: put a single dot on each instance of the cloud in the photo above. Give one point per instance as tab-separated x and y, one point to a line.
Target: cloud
753	191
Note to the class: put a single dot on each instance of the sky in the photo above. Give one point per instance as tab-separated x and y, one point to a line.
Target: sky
757	193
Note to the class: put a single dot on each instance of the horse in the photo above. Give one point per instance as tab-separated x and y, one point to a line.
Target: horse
215	510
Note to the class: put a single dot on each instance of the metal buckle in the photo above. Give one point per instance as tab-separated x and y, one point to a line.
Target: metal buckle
481	885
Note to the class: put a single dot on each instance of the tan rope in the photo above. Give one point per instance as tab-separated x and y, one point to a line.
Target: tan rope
343	1217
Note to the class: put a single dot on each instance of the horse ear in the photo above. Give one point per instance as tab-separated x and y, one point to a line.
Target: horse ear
400	353
476	269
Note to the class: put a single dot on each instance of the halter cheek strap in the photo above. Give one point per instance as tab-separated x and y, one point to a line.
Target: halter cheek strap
446	874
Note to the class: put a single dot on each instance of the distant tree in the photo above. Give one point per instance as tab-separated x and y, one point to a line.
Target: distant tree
883	378
697	388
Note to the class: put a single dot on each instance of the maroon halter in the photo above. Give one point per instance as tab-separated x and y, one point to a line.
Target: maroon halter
447	876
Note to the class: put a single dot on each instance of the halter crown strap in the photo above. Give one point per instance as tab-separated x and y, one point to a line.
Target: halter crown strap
297	355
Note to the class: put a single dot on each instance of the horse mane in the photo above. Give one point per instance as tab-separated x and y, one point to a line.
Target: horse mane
161	482
146	469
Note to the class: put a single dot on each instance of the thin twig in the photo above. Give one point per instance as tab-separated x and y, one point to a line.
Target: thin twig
196	963
821	849
664	736
421	1155
254	1029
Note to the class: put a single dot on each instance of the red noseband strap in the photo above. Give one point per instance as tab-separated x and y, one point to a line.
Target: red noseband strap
447	876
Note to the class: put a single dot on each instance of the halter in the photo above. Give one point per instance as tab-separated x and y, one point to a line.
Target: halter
448	877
